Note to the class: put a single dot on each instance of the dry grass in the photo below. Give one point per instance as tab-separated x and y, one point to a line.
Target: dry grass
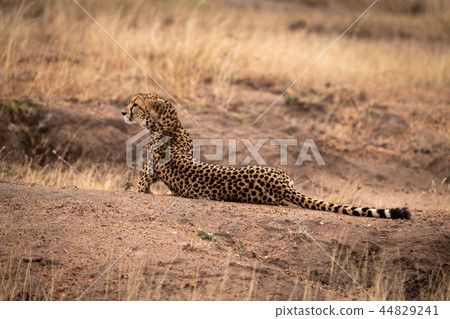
130	283
81	174
381	281
197	50
18	282
440	195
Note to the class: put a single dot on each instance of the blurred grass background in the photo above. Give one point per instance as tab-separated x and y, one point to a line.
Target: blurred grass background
199	49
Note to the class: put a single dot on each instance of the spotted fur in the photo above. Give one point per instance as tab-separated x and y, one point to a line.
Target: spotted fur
185	176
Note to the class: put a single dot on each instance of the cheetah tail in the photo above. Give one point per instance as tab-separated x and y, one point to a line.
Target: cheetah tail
297	198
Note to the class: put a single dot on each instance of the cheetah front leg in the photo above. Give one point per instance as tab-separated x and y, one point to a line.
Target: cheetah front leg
146	180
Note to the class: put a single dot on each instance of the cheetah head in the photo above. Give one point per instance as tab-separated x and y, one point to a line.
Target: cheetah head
151	112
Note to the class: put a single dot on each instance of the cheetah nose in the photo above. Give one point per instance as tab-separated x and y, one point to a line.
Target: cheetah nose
124	113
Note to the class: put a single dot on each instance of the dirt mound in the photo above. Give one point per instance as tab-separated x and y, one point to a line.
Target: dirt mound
35	131
254	252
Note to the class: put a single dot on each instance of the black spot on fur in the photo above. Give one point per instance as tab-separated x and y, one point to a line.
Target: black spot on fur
400	213
381	213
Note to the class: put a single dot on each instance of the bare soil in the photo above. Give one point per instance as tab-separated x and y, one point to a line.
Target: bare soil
77	235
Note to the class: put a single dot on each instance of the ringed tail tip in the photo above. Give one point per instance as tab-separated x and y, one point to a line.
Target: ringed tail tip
400	213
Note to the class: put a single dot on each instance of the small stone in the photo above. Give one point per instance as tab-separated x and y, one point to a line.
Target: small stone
32	259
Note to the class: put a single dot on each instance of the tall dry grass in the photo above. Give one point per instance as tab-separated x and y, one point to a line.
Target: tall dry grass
380	280
375	280
81	174
197	50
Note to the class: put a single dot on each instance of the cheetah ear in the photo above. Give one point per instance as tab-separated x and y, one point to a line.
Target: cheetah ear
160	104
150	107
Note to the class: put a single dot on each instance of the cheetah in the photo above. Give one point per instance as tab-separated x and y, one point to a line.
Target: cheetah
172	162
